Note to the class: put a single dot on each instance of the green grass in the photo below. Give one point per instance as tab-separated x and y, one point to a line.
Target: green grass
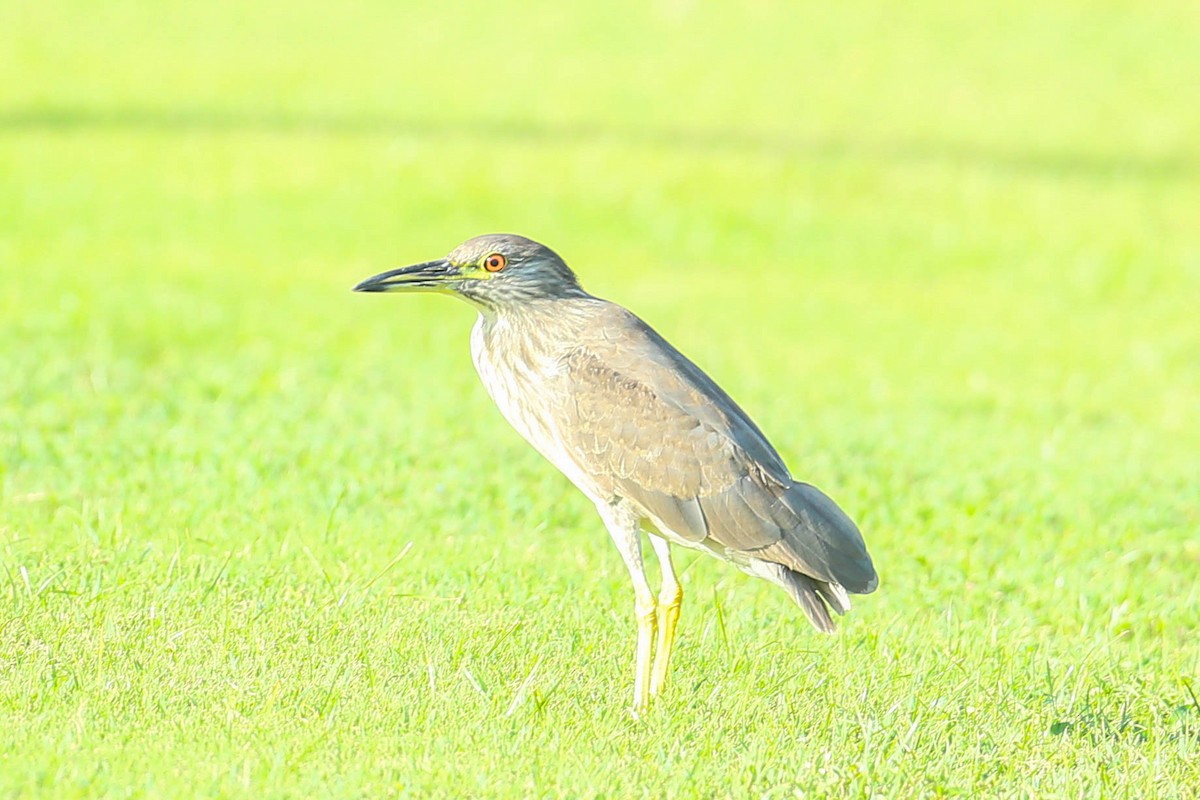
263	537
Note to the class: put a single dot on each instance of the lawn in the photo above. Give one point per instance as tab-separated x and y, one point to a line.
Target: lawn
263	537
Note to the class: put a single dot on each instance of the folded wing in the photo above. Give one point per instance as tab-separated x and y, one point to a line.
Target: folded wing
655	430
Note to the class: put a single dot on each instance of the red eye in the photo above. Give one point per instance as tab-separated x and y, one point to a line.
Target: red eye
494	263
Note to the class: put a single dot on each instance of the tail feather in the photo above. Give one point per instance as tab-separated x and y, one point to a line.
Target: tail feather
834	595
815	597
809	599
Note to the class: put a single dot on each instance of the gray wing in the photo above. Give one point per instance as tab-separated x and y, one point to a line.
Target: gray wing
654	429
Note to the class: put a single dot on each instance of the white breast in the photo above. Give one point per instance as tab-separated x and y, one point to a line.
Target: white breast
520	385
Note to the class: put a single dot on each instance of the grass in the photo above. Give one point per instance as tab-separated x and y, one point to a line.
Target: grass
262	537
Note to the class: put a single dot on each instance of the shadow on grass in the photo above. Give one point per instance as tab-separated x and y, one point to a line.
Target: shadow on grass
1096	727
1061	162
1117	722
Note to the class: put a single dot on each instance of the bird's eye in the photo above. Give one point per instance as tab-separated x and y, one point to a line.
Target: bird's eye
494	263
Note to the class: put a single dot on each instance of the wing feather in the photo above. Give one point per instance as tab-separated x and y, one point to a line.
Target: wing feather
649	426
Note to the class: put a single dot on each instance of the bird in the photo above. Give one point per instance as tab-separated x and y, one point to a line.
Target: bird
650	439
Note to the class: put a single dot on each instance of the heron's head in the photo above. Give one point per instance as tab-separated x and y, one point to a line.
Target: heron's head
495	271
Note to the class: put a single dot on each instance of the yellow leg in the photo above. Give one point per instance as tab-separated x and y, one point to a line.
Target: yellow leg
622	525
670	600
668	618
646	621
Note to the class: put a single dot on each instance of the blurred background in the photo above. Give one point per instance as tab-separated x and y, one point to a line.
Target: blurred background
947	255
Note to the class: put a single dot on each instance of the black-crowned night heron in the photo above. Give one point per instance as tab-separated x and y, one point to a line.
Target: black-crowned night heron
647	436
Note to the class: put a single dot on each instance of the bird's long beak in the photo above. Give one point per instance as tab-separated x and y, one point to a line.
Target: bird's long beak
431	275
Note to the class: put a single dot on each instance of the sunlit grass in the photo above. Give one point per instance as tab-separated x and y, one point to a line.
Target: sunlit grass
261	536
